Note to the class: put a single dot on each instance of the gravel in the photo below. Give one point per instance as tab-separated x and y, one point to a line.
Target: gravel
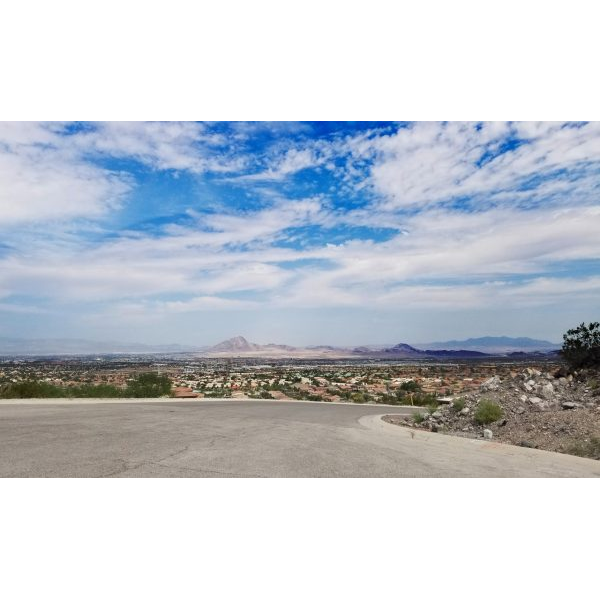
545	410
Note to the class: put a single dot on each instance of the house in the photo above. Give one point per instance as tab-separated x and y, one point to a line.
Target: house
184	392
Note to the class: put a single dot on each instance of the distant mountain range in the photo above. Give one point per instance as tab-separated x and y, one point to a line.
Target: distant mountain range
471	348
240	346
493	345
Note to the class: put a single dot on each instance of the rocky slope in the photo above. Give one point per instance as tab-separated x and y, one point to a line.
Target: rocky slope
554	411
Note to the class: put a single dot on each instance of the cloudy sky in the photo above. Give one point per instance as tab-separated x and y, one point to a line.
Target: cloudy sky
302	233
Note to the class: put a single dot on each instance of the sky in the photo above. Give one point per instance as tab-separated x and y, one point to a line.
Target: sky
301	233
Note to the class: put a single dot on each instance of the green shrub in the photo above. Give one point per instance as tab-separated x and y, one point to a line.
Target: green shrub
416	399
360	397
33	389
581	347
102	390
148	385
458	404
410	386
42	389
487	412
418	417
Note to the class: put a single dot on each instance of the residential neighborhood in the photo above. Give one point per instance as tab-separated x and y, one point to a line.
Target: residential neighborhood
375	381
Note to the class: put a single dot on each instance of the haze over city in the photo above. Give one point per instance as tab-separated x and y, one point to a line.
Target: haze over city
298	233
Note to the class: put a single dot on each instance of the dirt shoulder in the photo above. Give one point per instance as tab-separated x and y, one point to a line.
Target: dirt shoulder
552	411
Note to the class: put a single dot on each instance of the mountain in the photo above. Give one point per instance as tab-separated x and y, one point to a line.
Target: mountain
240	346
457	353
236	344
495	345
402	349
407	351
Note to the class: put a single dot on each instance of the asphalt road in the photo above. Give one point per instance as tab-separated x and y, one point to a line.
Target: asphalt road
249	439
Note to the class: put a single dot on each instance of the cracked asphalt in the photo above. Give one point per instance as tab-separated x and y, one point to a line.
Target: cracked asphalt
248	439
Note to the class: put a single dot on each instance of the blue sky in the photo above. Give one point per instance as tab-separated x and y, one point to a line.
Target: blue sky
304	233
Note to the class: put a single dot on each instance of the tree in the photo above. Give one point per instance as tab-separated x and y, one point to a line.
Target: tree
581	346
410	386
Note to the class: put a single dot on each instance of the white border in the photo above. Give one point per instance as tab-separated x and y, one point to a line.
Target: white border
312	60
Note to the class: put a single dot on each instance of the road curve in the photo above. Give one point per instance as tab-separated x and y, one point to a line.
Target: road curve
249	439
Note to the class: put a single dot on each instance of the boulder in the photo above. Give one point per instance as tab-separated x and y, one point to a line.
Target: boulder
547	391
488	434
568	405
491	384
527	444
465	411
561	373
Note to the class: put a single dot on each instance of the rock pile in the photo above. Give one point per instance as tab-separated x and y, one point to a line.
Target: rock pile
551	410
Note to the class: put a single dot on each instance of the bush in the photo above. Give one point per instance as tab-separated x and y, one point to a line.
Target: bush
360	397
42	389
581	346
32	389
102	390
588	448
430	401
487	412
415	399
410	386
148	385
418	417
458	404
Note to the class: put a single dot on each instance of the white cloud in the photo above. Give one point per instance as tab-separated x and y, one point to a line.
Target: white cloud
157	309
41	181
46	174
291	162
441	247
429	163
186	261
185	146
439	258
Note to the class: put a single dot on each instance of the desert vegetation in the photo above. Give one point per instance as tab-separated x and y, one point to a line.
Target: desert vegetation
144	385
581	347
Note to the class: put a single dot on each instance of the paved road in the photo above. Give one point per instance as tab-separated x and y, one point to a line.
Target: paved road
248	439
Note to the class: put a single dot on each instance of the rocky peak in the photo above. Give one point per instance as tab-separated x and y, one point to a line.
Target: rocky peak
236	344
